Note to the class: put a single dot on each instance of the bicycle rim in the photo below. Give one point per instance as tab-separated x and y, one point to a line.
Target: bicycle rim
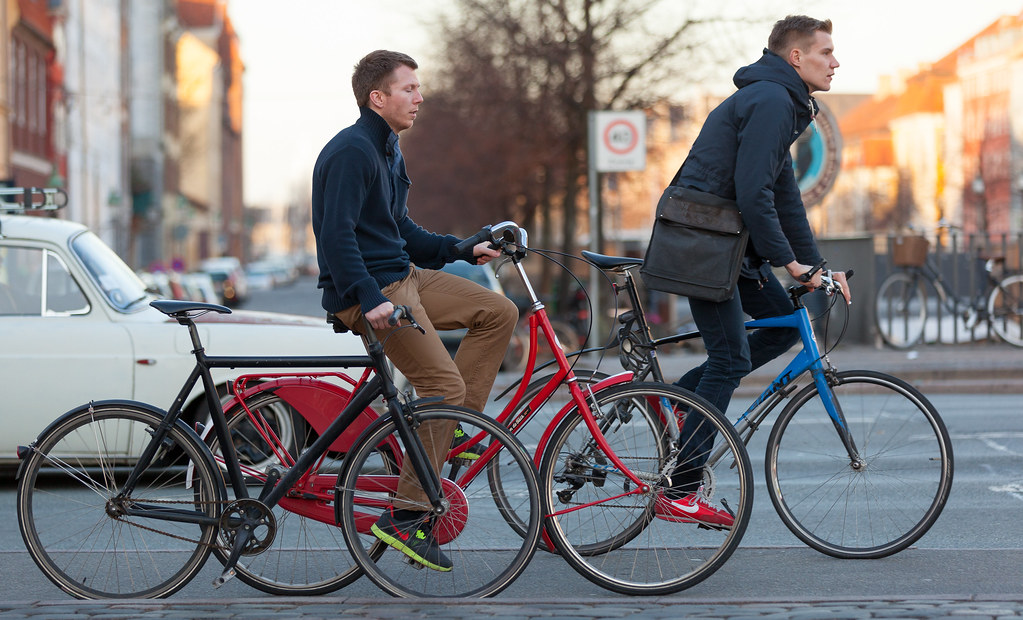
900	311
879	505
487	552
67	506
308	555
1005	309
606	530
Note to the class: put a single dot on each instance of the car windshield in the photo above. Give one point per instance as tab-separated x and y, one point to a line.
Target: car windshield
122	288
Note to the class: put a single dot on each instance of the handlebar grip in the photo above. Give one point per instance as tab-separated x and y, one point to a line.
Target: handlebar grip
397	314
468	243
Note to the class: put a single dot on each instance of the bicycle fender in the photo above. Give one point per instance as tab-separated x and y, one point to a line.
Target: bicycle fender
620	378
318	402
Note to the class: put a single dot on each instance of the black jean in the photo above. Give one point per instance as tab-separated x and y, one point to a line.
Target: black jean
732	353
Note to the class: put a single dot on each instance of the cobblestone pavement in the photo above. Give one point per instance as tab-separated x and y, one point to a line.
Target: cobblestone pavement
646	609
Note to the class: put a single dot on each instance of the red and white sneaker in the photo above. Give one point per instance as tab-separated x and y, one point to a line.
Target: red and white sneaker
693	508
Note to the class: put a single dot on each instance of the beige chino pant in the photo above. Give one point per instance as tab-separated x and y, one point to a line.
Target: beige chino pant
443	301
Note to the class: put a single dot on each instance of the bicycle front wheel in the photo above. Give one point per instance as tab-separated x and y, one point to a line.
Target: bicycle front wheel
488	553
900	312
606	526
74	514
308	555
1005	309
878	501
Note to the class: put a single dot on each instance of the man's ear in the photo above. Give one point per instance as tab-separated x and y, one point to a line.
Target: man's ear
795	57
376	99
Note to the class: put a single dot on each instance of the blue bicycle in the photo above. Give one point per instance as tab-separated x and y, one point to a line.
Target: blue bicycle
859	463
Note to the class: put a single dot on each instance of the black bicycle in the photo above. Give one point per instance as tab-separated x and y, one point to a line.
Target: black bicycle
121	499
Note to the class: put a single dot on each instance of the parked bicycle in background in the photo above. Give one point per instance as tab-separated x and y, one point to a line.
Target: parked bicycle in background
916	303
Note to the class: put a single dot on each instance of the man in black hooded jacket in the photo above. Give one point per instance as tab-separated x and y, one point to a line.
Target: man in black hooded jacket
742	153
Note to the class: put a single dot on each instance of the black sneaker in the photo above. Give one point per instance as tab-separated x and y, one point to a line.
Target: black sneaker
468	453
411	533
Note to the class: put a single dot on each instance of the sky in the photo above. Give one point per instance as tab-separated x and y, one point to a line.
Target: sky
298	63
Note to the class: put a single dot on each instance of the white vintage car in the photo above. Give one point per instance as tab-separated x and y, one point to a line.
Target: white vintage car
76	325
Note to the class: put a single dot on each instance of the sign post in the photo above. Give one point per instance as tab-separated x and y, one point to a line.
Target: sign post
617	143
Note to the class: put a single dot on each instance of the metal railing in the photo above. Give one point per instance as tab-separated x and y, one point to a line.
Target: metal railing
959	258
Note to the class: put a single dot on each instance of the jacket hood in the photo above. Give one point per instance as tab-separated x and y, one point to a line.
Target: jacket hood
773	68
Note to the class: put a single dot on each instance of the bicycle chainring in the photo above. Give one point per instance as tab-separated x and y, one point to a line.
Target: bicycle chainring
252	516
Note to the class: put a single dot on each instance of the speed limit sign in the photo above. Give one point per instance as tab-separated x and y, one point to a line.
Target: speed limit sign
620	141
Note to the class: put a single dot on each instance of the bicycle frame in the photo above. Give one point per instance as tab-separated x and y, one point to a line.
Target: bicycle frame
809	359
539	322
372	385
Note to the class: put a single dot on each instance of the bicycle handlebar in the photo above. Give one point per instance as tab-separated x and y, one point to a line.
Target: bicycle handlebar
829	285
403	312
507	236
470	242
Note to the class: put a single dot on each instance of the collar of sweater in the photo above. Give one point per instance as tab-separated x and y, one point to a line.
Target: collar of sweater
378	129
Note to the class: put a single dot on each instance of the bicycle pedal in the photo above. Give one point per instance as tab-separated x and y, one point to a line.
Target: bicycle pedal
414	564
224	578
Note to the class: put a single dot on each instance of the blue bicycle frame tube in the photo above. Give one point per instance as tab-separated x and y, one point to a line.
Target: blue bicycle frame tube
808	358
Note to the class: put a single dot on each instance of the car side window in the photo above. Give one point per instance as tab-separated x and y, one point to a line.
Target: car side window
63	295
36	282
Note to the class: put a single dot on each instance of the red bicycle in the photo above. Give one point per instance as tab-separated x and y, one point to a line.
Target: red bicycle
602	455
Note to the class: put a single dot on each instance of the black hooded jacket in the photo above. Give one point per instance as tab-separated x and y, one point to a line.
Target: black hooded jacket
742	153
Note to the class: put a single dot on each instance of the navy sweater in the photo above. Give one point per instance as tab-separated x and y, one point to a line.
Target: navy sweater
742	153
365	238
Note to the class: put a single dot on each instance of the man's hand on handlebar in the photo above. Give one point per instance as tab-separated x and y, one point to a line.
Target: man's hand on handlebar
798	270
843	282
380	316
485	252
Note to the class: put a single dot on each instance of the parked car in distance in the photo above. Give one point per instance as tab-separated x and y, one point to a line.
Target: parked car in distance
270	272
76	326
228	278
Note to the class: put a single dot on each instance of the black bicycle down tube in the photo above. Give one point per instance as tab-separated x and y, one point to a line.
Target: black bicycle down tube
360	400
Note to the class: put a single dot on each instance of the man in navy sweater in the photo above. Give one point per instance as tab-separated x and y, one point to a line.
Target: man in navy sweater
367	245
742	153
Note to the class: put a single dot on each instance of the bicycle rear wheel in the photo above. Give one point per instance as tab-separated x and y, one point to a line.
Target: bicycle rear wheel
606	527
1005	309
308	555
888	497
900	312
487	552
71	506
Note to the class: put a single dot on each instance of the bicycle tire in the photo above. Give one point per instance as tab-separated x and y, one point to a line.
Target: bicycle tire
874	508
587	504
488	555
68	492
546	411
308	555
900	311
1005	310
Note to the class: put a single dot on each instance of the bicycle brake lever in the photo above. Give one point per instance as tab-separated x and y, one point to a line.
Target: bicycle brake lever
403	311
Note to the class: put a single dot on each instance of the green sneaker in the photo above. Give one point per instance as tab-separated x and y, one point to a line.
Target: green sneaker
467	453
411	532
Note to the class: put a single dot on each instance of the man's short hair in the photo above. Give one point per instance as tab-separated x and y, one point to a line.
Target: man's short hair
795	31
374	73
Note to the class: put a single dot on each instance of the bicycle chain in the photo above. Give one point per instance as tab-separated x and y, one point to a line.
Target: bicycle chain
175	536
